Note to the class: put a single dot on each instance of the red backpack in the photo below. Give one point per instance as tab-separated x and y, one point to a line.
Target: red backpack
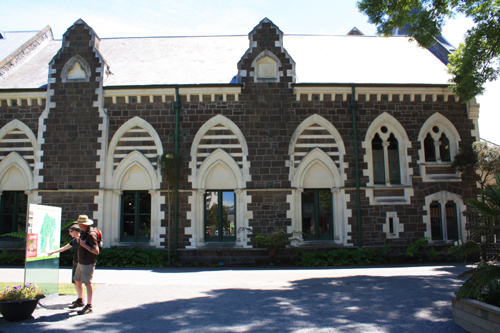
98	234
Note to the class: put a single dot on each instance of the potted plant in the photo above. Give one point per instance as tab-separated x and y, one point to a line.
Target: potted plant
476	306
19	302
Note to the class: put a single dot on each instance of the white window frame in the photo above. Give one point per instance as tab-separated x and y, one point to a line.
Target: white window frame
404	143
442	198
445	126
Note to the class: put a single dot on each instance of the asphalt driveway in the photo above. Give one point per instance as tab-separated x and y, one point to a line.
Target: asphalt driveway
373	299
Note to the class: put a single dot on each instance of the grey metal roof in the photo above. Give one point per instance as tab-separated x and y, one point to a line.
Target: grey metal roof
177	60
363	59
13	40
213	59
34	72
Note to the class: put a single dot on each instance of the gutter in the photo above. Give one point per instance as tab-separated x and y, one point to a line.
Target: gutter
177	109
353	106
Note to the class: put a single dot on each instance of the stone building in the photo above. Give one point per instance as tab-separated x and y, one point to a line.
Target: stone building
343	141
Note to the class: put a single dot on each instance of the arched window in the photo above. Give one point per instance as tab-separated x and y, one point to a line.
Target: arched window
266	67
76	69
386	144
437	148
136	200
393	160
16	178
135	223
436	221
219	172
443	217
439	144
317	207
430	150
378	160
385	152
317	214
444	148
220	216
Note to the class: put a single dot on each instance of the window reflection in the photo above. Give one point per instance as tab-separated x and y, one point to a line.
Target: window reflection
317	214
136	216
220	215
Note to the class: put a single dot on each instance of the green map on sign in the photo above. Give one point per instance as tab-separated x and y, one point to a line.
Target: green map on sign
48	235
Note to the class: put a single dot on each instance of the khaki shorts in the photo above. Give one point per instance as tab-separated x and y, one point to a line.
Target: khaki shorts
84	273
75	264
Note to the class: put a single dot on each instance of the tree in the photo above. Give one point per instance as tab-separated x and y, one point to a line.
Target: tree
483	282
170	164
475	62
479	160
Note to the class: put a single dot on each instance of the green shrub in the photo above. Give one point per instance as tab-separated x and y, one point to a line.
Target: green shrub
12	258
275	240
344	257
131	257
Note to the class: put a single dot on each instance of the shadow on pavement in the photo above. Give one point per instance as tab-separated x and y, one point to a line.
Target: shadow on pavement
345	304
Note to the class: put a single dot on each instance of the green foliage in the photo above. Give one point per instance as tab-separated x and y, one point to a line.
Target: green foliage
169	164
469	247
473	63
422	252
131	257
479	160
16	234
415	250
488	207
12	258
65	237
275	240
344	257
483	284
21	293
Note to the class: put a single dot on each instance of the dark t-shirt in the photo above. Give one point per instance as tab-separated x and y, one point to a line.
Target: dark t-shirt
74	245
84	256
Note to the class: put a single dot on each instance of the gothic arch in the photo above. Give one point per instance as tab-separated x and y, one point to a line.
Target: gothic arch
218	171
129	125
135	173
217	159
262	65
70	65
442	197
15	173
136	159
318	157
446	127
212	123
334	134
318	170
16	124
404	144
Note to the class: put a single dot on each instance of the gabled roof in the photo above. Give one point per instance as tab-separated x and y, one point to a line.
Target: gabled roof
13	40
355	32
214	59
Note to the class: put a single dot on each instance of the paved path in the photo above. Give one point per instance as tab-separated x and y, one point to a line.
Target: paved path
375	299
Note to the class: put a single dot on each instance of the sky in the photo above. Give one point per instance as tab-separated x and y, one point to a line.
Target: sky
145	18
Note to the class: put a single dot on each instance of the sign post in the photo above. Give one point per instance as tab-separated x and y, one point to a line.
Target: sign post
44	236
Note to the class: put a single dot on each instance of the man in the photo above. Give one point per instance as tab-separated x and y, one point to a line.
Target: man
74	232
87	253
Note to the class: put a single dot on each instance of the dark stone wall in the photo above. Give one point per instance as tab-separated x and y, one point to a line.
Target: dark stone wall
267	114
71	136
267	154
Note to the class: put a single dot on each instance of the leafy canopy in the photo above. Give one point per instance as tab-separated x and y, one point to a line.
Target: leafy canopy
475	62
479	160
